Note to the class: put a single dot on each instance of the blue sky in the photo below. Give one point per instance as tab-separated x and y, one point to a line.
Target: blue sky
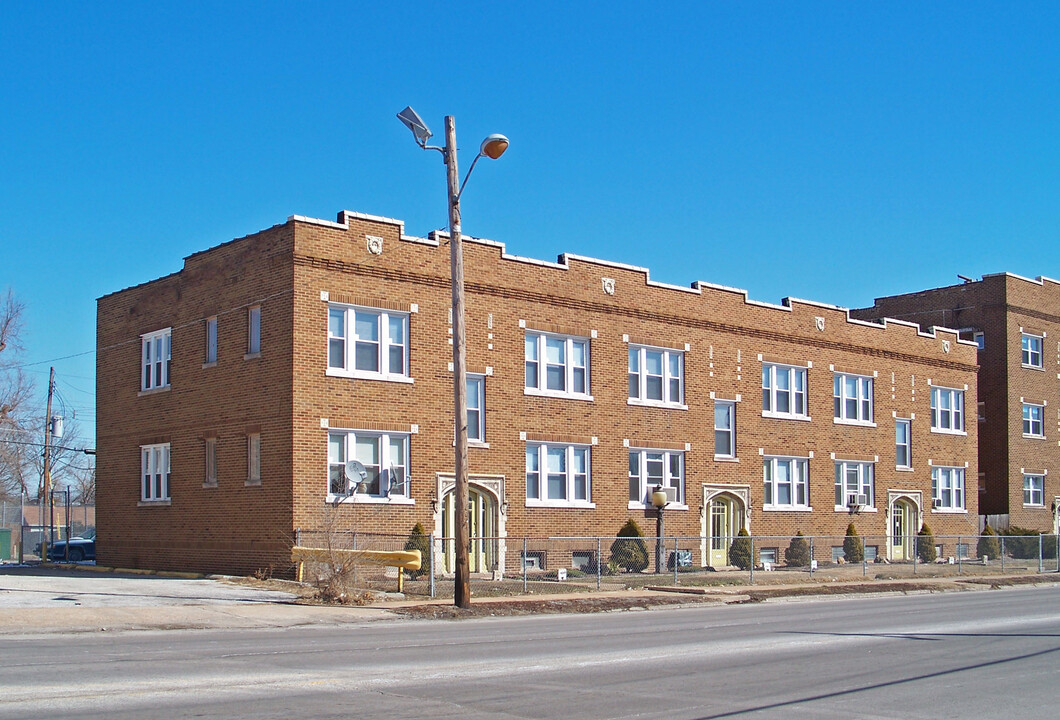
831	151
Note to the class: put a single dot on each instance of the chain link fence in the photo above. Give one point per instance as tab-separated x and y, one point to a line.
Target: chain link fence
511	566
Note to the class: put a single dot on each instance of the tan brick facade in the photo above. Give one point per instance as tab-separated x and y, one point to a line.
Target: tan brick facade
296	271
1004	308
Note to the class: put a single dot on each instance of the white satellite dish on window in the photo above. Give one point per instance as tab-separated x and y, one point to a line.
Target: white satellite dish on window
396	487
356	475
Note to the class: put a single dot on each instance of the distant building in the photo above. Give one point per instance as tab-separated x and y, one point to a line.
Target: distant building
1016	323
232	393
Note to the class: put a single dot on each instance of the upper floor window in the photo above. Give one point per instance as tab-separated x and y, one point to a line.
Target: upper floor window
368	343
903	443
254	459
384	456
254	330
947	488
211	340
155	357
852	395
1031	350
1034	490
947	410
653	469
1033	420
557	474
854	482
784	391
656	376
557	364
476	408
973	335
724	429
787	483
154	472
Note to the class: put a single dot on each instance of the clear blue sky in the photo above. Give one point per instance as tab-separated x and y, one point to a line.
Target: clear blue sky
833	151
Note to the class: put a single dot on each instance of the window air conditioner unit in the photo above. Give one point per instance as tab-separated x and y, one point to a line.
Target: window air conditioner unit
863	499
857	500
671	493
936	503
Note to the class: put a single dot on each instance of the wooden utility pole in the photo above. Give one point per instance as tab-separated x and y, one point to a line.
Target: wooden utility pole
46	479
462	581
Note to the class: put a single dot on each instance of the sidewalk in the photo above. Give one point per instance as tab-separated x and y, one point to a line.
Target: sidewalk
52	600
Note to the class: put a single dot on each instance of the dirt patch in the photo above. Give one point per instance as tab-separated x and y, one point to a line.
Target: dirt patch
539	606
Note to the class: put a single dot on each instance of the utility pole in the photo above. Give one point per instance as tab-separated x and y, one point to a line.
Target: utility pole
462	581
47	475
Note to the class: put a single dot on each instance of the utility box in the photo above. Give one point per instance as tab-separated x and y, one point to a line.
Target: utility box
5	544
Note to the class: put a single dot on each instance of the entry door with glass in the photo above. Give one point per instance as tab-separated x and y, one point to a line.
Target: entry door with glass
482	527
903	530
725	522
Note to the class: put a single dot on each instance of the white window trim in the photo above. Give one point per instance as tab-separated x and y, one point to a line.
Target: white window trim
793	370
479	443
349	450
909	445
1041	351
861	422
147	341
644	487
568	366
150	458
964	420
951	510
794	507
350	340
642	376
731	430
1041	422
871	507
1041	490
542	459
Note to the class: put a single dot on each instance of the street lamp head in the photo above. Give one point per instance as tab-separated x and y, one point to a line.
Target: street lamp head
658	498
415	123
493	146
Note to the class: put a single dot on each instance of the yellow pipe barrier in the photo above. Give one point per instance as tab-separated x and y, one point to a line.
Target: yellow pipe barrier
402	559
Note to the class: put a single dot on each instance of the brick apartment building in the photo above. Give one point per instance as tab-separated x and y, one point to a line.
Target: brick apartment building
232	393
1015	321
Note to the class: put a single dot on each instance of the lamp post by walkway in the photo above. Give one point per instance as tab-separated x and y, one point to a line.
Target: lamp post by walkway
492	147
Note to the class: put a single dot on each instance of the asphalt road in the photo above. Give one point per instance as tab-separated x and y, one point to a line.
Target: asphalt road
966	655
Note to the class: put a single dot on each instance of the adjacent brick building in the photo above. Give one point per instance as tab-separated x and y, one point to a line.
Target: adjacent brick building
233	394
1016	323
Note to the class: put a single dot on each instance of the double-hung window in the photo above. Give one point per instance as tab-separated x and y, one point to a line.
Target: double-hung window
947	410
1033	420
854	482
368	343
557	365
903	443
1031	350
787	483
476	408
724	429
783	391
155	357
254	330
653	469
852	396
384	457
558	474
656	376
947	488
1034	490
211	340
154	472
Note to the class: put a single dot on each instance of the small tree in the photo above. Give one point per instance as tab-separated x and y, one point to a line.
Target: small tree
925	545
628	551
740	550
853	548
988	545
797	554
418	540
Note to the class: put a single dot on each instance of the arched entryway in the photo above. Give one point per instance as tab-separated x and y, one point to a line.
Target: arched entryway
903	527
486	516
723	515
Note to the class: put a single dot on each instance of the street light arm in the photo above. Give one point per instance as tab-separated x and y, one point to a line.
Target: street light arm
460	192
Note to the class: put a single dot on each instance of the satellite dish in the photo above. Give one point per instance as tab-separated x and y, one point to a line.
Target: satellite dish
356	475
396	486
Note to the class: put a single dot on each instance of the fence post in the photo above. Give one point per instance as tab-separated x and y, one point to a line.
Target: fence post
752	561
675	561
599	561
916	551
1002	553
960	556
524	565
431	563
811	556
864	561
1040	567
